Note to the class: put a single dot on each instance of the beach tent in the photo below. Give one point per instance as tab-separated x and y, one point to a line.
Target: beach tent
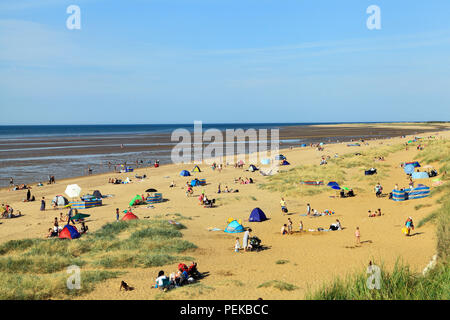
69	232
420	175
234	227
137	199
129	216
285	163
265	161
409	169
185	173
252	168
280	157
60	201
257	215
415	164
303	145
196	169
332	183
196	182
97	194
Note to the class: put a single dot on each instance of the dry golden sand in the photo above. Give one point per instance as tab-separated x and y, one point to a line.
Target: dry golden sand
313	258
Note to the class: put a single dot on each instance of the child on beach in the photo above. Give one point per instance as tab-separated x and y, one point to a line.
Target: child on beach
308	209
301	226
283	230
358	236
237	246
289	226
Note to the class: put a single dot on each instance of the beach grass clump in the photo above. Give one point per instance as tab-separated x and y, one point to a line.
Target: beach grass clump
400	284
289	182
39	264
281	261
48	286
280	285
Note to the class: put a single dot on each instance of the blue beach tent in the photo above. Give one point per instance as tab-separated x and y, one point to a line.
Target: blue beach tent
234	227
409	169
185	173
257	215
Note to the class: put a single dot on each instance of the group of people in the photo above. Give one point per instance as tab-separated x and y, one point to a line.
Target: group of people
184	275
6	212
245	242
114	181
243	181
375	213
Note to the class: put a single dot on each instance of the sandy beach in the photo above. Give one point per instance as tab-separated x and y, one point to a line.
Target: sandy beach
307	260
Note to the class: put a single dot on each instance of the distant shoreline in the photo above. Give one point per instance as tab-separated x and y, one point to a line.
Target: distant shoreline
33	159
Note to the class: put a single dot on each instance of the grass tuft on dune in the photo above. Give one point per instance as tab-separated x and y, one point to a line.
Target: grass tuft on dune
35	268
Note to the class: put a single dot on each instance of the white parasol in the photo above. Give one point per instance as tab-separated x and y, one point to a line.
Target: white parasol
73	190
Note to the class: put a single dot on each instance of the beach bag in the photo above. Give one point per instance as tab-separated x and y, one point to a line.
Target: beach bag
405	230
284	209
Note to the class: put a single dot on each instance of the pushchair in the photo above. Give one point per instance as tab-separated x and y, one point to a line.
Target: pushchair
255	243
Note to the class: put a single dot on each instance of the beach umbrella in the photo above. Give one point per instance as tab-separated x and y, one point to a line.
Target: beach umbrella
151	190
79	216
345	188
73	190
335	187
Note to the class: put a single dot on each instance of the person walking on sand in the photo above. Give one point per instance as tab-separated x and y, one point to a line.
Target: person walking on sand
283	206
117	214
358	236
43	204
409	225
308	209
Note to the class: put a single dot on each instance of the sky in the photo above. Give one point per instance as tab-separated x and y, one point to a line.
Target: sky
223	61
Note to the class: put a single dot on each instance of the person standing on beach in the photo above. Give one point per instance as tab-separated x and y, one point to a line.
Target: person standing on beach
289	226
301	226
358	236
11	182
117	214
308	209
245	239
43	204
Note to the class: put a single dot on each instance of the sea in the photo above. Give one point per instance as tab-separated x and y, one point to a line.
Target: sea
31	153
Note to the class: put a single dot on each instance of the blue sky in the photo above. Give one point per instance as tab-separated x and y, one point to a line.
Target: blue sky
176	61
